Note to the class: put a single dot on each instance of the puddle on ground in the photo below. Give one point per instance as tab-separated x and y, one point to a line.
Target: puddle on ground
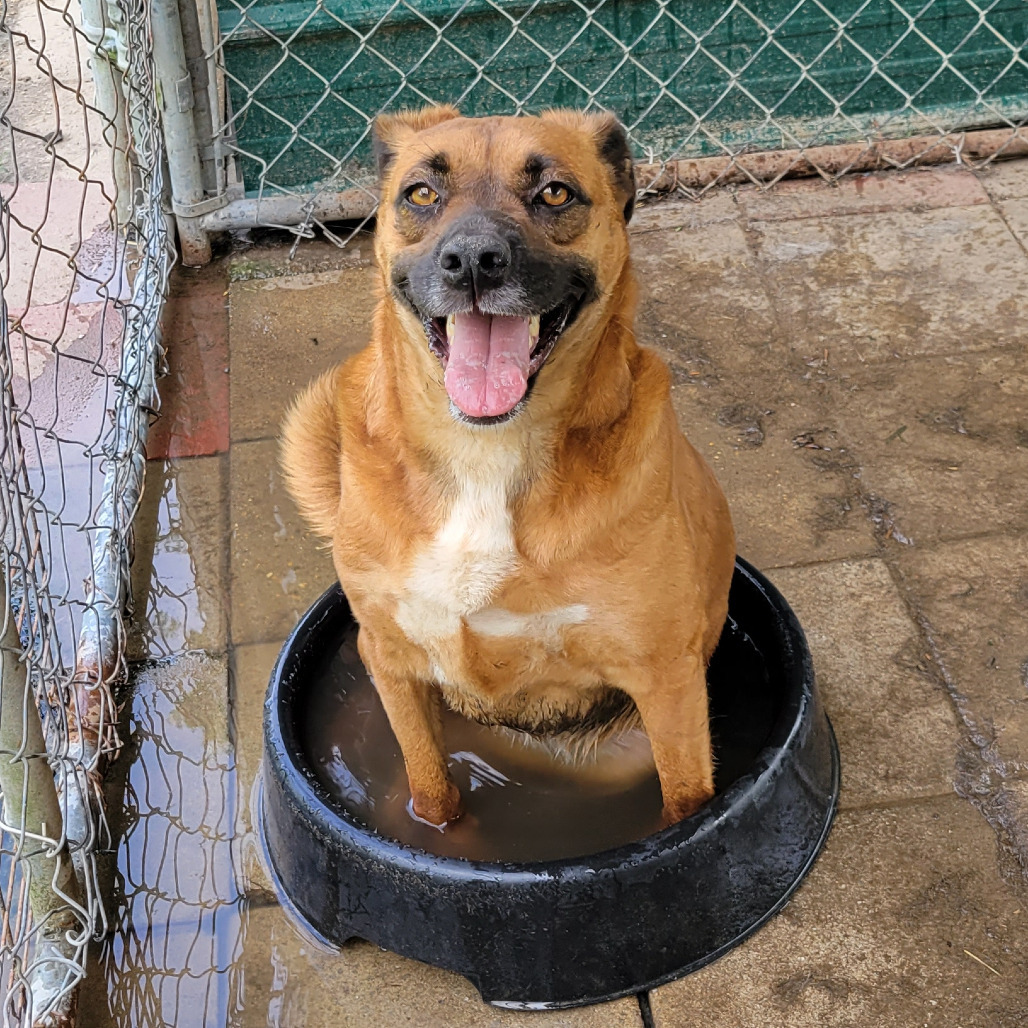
178	577
173	954
194	938
521	804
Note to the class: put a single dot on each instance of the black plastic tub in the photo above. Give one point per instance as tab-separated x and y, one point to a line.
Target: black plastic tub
577	930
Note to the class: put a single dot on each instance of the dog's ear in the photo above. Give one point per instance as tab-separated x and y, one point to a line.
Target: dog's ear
612	147
612	142
388	130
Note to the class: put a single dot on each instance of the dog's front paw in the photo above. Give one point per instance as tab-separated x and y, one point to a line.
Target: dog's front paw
438	807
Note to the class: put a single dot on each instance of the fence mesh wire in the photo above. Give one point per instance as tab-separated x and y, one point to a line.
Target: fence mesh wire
84	260
698	82
281	97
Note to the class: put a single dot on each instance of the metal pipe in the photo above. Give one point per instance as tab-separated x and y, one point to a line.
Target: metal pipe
100	657
286	209
839	159
211	41
32	817
176	101
101	641
109	97
192	44
31	811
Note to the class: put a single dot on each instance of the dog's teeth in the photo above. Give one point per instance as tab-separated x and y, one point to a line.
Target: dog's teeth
451	323
533	326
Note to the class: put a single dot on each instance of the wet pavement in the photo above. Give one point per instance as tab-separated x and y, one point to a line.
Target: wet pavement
851	359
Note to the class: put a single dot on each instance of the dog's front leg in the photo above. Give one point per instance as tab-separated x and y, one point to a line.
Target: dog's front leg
672	702
413	709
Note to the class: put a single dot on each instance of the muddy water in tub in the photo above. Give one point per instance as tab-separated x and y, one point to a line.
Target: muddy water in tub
521	803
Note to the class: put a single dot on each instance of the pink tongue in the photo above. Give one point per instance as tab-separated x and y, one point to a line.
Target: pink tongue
487	371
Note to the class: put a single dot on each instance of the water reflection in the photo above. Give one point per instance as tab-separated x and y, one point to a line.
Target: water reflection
173	956
179	574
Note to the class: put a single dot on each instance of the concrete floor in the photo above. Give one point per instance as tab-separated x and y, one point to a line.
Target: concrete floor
851	359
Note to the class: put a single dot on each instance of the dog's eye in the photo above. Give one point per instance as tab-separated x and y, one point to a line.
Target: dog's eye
422	195
556	194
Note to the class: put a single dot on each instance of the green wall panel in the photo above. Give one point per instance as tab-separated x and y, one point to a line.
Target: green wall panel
690	77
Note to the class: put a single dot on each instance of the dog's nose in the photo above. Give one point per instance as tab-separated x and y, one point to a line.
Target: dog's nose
483	260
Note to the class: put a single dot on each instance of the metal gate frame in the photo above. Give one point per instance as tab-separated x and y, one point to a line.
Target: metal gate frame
208	196
58	694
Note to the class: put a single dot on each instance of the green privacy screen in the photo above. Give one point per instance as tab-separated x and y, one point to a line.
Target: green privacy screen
688	77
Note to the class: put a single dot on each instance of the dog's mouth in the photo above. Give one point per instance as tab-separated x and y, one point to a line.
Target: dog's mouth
490	360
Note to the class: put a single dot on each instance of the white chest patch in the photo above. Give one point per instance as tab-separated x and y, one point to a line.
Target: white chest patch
543	625
461	569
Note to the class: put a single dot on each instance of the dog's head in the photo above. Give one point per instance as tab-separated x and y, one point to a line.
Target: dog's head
500	240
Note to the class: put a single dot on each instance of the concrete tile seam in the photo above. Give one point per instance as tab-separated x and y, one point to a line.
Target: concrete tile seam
242	269
876	937
995	806
256	438
977	785
986	748
882	208
894	360
645	1010
750	237
899	803
997	206
649	231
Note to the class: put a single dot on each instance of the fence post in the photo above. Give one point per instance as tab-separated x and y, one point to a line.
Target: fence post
32	815
177	98
199	74
92	713
109	96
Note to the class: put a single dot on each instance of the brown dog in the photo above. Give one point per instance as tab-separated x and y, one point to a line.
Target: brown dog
517	521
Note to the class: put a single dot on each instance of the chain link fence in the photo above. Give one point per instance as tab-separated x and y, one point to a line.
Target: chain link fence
711	93
174	956
237	114
84	259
